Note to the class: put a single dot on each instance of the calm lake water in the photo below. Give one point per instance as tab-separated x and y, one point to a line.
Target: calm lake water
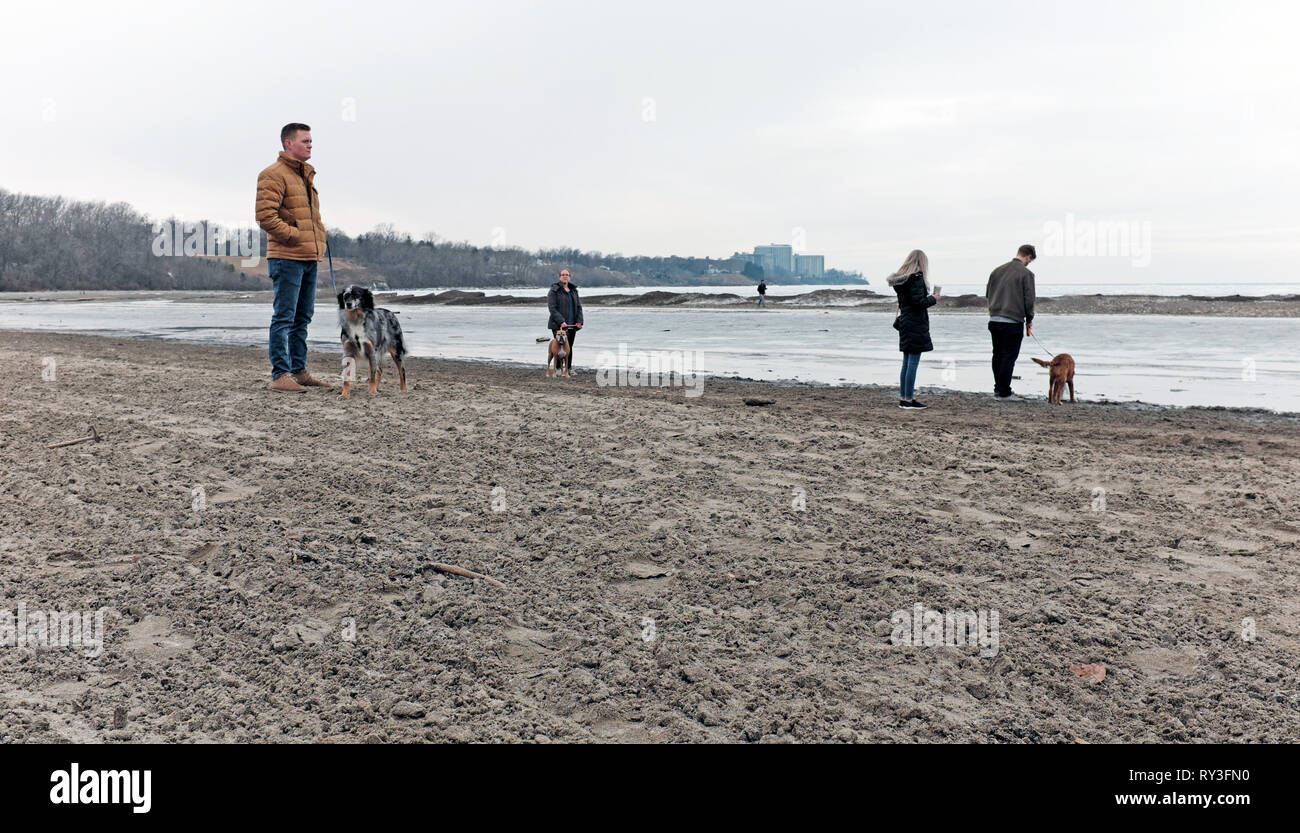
1171	360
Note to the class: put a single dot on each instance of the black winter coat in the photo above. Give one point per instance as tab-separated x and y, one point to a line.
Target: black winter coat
560	302
913	318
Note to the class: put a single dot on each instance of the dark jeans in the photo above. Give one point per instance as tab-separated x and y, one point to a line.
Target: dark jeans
907	379
570	332
1006	349
294	283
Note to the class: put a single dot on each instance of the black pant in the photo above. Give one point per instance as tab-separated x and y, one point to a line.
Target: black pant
570	332
1006	349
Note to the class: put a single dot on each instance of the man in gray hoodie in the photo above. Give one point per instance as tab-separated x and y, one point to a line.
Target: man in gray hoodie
1010	294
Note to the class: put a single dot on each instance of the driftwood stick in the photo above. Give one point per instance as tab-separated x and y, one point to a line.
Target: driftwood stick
461	571
94	435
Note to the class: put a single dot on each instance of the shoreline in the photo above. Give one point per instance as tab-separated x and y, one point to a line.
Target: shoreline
865	300
467	366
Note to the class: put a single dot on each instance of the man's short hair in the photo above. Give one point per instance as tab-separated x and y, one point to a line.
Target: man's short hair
290	131
1027	251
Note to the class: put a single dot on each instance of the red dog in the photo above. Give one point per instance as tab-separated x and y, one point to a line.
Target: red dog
1060	374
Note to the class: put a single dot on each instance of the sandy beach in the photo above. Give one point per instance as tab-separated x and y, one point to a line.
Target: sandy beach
671	568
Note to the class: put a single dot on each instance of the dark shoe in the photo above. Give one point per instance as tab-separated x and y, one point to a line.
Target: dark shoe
911	406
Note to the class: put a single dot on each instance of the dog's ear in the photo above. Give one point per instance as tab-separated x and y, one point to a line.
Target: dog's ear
340	300
367	299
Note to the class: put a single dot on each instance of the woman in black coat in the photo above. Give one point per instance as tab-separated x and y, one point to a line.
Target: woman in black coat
565	312
912	284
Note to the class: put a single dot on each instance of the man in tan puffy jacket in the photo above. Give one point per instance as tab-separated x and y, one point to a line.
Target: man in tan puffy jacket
288	210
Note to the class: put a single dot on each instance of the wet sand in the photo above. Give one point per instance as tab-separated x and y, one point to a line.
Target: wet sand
674	569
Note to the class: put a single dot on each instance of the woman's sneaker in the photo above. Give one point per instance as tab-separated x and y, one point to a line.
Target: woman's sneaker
914	405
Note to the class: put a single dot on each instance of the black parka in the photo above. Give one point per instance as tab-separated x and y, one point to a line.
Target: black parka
913	316
557	300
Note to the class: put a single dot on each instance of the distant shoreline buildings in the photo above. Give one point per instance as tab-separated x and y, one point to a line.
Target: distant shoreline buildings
779	260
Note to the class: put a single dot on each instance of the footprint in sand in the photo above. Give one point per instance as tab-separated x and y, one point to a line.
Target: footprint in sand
232	491
1161	663
153	637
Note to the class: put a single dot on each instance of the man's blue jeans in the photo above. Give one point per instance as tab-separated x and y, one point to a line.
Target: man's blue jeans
294	283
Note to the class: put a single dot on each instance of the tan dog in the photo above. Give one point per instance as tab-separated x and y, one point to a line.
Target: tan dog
1060	374
556	352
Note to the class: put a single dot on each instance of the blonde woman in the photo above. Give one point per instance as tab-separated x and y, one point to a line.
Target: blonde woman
912	284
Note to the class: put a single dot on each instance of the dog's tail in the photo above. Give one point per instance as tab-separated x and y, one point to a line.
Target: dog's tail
1052	363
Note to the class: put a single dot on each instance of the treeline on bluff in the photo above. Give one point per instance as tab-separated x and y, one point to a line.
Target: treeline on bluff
55	243
51	243
406	263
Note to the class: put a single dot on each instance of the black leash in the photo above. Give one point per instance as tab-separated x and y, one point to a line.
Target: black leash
333	285
1050	354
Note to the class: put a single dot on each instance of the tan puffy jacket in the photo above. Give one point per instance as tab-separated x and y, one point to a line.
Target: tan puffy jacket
288	210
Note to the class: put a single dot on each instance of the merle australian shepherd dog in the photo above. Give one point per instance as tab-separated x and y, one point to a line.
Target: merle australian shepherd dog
368	332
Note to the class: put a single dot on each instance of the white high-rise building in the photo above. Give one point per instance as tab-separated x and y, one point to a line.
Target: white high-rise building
782	255
810	266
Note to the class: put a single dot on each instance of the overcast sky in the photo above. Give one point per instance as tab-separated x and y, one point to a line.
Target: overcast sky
858	129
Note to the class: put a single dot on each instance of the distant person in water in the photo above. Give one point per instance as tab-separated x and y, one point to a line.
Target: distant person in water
1010	294
762	293
912	284
566	312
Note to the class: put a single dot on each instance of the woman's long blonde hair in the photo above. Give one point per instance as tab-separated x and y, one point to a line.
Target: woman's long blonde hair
916	262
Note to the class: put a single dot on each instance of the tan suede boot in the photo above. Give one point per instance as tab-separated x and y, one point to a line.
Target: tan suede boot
285	384
307	380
